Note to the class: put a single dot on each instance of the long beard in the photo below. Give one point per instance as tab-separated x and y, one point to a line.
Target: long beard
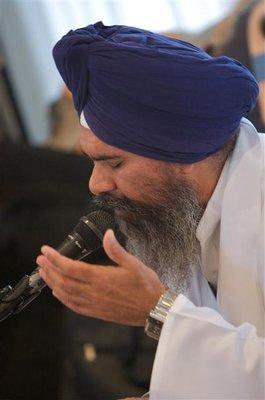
162	234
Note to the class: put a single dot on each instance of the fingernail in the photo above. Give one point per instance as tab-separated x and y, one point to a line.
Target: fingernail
39	261
112	236
44	250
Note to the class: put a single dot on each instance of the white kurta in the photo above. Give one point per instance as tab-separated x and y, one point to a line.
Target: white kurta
212	349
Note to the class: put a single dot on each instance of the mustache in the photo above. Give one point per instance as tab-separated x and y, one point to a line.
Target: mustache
124	204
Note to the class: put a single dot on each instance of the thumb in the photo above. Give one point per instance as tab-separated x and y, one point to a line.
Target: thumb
115	251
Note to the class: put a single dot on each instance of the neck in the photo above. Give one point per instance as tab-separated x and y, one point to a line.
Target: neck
207	177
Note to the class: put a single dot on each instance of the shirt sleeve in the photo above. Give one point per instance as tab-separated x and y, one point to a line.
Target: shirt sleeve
202	356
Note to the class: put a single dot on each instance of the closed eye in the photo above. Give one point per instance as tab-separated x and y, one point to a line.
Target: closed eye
116	165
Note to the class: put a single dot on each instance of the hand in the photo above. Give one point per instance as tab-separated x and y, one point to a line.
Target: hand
124	294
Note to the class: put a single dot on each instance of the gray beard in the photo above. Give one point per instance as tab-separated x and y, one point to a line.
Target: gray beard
162	236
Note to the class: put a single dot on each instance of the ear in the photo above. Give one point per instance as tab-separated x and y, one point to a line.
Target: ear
186	169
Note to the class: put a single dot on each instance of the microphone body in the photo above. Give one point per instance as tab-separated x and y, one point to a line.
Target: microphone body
85	238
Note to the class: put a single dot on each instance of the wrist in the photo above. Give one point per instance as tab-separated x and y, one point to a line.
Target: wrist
158	314
153	298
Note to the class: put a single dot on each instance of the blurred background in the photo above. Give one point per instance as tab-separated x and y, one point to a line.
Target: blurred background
48	352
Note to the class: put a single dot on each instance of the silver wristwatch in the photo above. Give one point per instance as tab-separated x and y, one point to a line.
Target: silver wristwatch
158	315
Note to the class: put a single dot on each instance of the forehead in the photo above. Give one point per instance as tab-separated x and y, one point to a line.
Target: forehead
93	146
135	165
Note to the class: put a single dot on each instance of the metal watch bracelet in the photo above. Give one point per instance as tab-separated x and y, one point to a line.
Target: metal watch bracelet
158	315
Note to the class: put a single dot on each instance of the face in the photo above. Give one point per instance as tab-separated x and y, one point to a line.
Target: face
154	205
119	173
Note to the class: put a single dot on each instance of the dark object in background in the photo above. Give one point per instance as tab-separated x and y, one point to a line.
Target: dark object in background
237	47
43	194
105	360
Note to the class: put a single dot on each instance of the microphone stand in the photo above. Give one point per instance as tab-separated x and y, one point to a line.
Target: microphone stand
13	300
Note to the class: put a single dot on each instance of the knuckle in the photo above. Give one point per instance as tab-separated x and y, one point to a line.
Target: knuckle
65	299
48	280
68	286
69	267
54	258
73	269
88	271
71	287
56	294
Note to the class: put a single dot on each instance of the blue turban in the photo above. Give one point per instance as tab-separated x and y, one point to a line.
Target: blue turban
152	95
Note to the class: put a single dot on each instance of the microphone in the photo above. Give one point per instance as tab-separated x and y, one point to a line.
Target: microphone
85	238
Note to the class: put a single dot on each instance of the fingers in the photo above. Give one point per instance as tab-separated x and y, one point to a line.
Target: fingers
116	252
57	281
124	294
77	270
70	280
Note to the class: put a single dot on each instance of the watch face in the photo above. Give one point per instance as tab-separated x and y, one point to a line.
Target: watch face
153	328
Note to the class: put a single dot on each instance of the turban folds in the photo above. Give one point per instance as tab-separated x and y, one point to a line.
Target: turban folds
151	95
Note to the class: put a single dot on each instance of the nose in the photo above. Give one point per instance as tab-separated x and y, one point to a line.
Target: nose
101	181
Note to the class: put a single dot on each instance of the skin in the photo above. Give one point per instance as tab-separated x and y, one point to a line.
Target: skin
124	294
130	177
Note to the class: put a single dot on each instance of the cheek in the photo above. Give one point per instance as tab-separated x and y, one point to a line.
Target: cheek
127	186
136	186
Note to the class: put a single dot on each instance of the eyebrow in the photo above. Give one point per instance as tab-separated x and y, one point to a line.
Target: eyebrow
102	157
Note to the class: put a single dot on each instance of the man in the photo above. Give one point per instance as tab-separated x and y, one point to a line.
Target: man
183	172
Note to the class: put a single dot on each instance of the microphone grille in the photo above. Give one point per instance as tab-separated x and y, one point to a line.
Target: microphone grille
102	219
93	226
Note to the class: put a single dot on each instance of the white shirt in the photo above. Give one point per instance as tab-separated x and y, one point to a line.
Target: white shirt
214	349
